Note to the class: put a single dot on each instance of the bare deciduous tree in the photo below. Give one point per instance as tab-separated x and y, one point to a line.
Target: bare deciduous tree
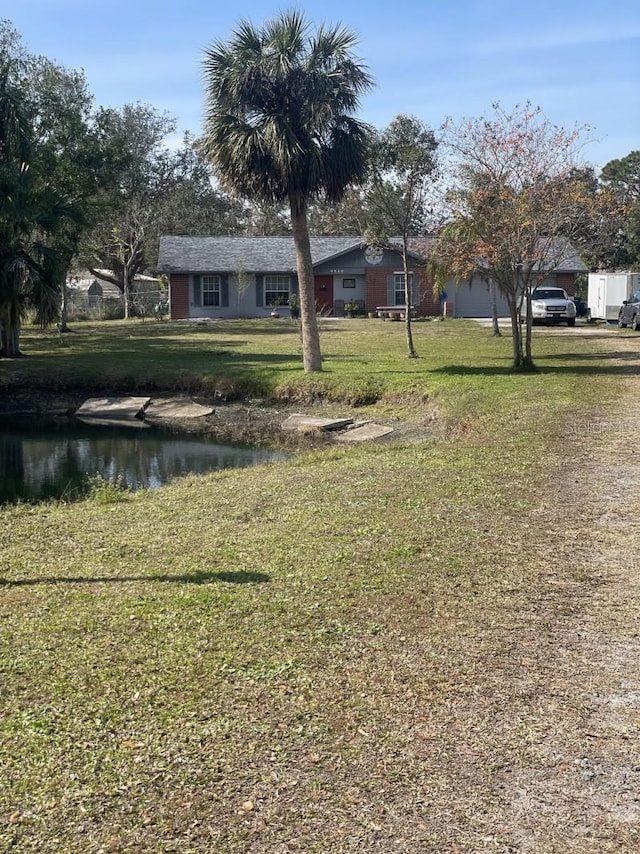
516	206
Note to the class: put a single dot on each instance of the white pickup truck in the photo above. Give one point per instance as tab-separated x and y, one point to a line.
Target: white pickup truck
551	305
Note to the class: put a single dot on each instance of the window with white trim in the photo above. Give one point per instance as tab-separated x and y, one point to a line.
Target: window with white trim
277	289
398	288
211	291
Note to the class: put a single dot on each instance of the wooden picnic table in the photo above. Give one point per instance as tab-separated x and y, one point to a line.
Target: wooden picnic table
389	311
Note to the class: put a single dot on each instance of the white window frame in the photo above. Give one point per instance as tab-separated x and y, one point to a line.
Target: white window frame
399	288
277	288
211	290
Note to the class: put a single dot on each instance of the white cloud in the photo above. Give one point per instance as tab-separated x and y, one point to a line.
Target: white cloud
575	35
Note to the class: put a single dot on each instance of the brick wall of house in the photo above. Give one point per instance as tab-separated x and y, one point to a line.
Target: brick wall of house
424	302
376	279
179	295
429	305
567	281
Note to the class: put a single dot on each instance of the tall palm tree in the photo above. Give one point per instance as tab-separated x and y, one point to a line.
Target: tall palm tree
279	128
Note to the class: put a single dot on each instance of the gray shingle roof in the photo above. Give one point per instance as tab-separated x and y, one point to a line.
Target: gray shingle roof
255	254
563	258
560	254
180	254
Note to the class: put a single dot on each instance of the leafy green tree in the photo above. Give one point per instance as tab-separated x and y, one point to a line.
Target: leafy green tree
403	168
279	128
190	204
267	220
15	131
33	218
622	177
344	218
601	240
146	190
134	174
58	107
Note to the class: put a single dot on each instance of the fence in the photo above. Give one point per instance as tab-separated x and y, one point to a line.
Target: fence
84	306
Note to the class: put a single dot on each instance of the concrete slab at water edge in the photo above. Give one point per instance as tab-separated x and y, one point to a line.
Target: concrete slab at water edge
122	408
176	407
145	410
309	423
137	423
355	432
364	433
126	409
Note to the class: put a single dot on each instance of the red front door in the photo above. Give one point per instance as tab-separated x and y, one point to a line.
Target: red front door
323	290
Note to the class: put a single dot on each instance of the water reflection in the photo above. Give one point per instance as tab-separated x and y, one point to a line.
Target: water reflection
48	460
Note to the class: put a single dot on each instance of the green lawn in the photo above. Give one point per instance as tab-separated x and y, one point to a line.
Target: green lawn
304	656
461	366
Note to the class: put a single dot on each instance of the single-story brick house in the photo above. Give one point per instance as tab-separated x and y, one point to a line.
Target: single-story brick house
246	276
472	299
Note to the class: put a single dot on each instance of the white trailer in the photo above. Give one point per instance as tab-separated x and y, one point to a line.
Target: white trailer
606	293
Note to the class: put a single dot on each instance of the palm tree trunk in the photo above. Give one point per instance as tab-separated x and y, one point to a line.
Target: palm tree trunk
311	356
11	318
9	340
12	342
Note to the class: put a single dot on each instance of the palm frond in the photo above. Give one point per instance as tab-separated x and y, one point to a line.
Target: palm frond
278	120
15	132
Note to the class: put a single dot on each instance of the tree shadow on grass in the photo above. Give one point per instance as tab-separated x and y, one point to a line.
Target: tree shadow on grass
181	358
506	370
622	355
239	328
476	370
230	577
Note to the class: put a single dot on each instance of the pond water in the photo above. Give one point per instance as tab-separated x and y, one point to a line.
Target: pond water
41	460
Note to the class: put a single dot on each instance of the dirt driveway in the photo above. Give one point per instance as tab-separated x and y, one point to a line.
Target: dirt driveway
579	790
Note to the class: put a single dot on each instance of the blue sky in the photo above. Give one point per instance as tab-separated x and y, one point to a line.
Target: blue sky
578	61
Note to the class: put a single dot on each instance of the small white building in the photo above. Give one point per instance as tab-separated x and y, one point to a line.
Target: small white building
95	293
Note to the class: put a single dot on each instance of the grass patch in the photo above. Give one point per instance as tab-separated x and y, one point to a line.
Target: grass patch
461	365
316	655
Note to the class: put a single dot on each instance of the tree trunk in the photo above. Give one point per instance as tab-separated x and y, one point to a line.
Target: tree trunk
528	354
311	355
9	340
494	307
523	297
516	332
64	310
408	302
126	292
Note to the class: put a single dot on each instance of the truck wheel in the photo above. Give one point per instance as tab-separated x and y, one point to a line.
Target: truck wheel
571	321
635	323
621	322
